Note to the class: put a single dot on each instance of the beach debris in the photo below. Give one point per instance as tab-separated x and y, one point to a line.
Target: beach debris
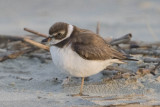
39	45
143	52
122	40
15	54
36	33
126	75
158	78
142	71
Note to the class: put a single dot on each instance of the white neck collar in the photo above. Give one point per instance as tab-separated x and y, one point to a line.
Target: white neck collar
70	30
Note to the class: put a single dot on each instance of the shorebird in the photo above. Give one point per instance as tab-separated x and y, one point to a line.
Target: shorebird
80	52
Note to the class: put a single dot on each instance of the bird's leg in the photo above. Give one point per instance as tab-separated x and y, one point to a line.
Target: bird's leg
81	89
82	83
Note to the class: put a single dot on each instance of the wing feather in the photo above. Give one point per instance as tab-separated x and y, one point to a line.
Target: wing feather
92	47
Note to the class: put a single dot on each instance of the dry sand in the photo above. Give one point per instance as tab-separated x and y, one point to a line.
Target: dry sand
33	82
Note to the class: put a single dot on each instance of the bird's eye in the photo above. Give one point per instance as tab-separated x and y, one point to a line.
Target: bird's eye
59	34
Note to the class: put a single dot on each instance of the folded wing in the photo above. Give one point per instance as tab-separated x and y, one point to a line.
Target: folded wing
92	47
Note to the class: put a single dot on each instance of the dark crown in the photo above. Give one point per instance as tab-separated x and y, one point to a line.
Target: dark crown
57	27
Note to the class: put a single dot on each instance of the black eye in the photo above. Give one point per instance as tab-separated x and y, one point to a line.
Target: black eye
59	34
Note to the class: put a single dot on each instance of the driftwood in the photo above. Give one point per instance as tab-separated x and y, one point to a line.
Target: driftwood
143	52
36	44
32	42
144	71
124	39
151	60
15	54
5	38
36	33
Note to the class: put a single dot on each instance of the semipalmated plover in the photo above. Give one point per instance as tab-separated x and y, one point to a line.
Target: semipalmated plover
79	51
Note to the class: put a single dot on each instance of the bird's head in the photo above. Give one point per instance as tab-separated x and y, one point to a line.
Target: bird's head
57	33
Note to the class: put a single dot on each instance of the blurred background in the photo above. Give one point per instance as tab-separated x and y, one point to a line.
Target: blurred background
117	17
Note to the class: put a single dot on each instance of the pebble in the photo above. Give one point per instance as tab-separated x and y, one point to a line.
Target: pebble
12	84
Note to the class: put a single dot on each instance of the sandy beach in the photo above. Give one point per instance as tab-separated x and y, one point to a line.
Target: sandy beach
32	82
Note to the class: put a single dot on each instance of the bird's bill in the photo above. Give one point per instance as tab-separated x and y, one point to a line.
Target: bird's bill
46	40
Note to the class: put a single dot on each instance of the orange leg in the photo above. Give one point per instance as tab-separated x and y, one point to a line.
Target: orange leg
81	89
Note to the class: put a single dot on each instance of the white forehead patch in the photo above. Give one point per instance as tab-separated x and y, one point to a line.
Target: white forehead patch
70	30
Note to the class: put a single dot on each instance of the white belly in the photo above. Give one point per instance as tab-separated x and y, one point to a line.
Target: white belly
65	58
